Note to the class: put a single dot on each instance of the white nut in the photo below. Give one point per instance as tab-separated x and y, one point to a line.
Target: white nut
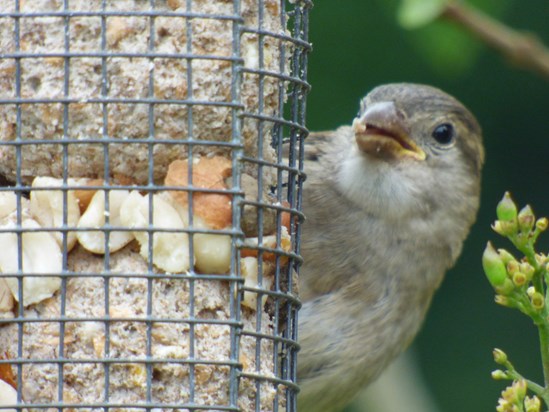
6	298
249	269
8	396
94	218
182	211
8	203
83	192
212	252
41	257
8	208
47	208
170	249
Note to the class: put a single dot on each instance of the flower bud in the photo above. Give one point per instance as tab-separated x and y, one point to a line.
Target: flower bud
513	267
515	392
503	301
542	223
505	406
493	266
506	209
506	257
500	357
509	394
540	258
520	388
538	301
498	375
532	404
530	291
509	228
497	227
519	279
526	219
505	228
506	288
527	269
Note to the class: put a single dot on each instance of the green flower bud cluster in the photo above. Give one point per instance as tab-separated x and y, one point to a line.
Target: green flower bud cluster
520	283
514	399
512	280
520	226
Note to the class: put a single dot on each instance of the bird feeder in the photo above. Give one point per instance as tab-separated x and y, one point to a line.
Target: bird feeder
149	210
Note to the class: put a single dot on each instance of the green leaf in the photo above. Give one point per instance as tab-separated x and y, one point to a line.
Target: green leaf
449	50
412	14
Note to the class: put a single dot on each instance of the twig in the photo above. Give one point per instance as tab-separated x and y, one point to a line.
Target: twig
523	49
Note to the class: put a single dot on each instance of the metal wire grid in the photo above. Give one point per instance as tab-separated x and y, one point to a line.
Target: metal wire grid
272	129
285	349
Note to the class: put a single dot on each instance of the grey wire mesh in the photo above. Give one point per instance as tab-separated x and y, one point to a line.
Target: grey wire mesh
103	96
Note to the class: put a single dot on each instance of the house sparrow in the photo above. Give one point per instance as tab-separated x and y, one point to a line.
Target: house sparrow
388	203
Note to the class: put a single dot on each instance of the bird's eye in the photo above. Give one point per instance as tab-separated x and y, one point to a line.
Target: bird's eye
444	133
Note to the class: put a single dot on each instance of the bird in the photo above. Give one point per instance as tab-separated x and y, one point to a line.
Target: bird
388	203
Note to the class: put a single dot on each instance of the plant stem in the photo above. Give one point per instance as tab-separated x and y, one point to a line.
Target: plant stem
539	390
544	347
522	48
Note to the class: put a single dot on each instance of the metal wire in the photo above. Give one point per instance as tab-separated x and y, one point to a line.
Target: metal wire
120	331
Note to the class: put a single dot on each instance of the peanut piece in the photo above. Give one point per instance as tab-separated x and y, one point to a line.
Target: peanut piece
170	249
8	396
250	269
94	218
41	255
47	208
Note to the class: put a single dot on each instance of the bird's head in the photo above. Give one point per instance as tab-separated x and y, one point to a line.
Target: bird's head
419	122
417	149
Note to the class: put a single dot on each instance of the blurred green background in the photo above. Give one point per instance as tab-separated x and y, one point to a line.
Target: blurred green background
358	44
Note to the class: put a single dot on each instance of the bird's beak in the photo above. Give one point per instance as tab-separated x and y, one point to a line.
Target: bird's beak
381	132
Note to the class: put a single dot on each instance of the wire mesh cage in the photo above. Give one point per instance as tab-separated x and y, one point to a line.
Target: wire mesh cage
151	165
